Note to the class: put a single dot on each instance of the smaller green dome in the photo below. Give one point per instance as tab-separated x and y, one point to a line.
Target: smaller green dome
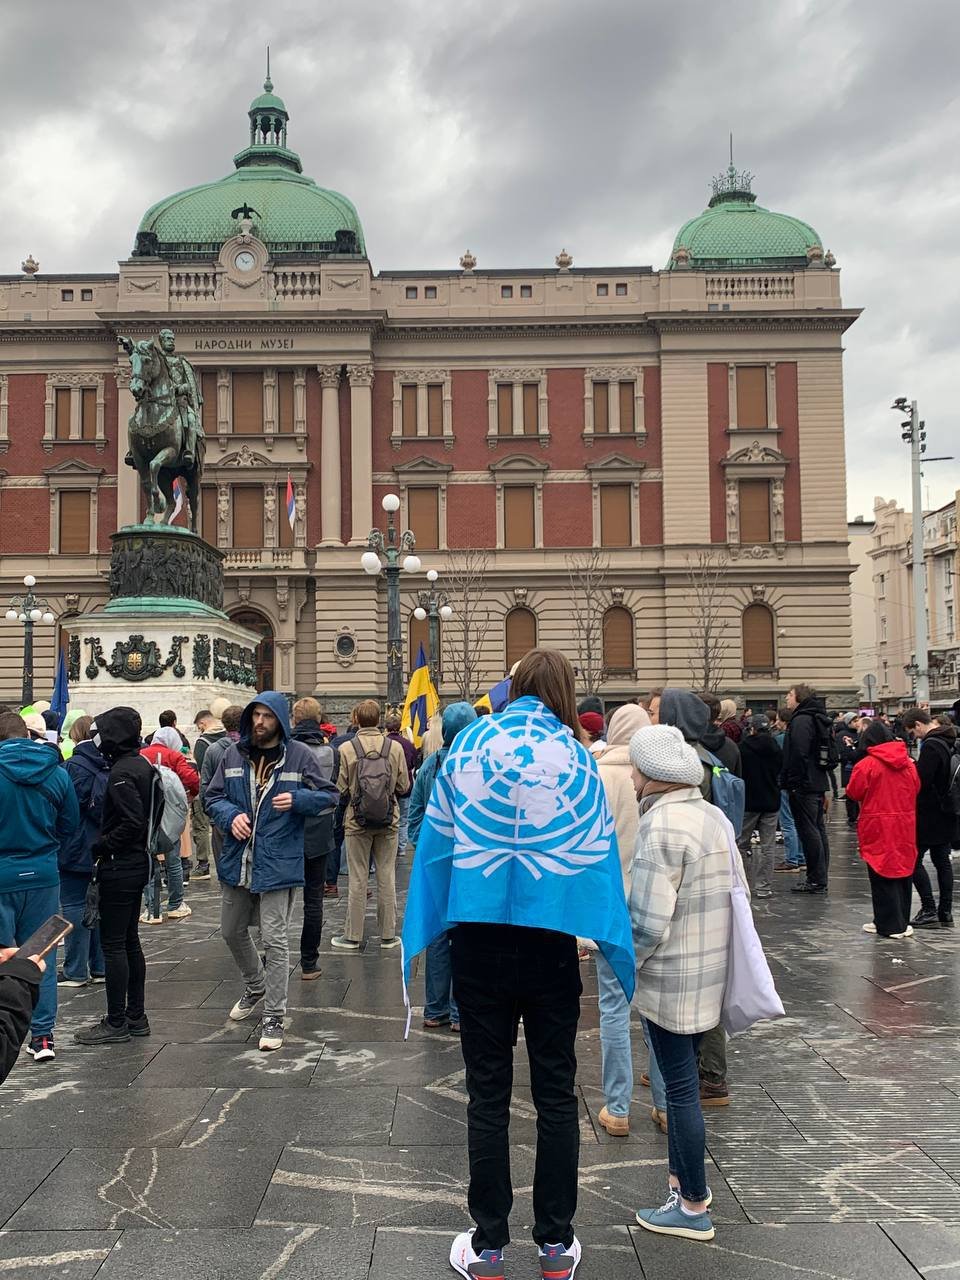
734	231
268	100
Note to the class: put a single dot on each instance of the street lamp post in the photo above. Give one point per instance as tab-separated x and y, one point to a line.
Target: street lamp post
28	609
391	549
435	605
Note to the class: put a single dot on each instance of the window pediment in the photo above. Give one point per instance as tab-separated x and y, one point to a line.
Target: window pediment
423	466
518	464
244	457
615	465
755	453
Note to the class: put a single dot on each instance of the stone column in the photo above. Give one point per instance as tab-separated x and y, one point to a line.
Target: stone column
361	452
128	482
330	530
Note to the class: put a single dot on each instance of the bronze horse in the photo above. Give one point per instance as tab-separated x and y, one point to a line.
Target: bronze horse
159	427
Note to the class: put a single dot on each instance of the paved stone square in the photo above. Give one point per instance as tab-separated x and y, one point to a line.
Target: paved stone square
343	1155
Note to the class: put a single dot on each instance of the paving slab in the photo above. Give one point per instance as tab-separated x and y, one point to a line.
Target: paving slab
291	1253
342	1116
932	1247
76	1115
219	1065
22	1172
54	1255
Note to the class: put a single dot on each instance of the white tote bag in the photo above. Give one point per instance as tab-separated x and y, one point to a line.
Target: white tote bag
750	995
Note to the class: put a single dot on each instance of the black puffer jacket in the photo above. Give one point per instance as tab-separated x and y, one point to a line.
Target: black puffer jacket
762	761
934	826
809	726
122	847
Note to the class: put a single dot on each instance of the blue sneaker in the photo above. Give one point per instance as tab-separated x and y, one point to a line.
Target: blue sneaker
557	1262
485	1265
670	1220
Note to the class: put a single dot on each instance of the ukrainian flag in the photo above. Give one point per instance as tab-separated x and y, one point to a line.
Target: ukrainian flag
422	700
497	698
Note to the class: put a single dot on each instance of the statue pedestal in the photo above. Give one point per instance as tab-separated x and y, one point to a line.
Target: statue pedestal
163	640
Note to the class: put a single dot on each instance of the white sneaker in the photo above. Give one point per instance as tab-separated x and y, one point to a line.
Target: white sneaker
869	927
146	918
179	913
467	1263
271	1033
558	1261
907	933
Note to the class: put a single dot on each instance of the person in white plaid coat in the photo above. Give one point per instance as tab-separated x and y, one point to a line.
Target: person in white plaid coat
682	918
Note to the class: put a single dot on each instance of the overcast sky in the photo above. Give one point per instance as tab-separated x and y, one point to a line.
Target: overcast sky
519	128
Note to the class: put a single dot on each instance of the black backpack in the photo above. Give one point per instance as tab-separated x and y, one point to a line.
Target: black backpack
950	796
372	796
828	756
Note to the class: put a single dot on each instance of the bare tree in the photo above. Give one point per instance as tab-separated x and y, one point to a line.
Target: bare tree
709	640
587	571
465	582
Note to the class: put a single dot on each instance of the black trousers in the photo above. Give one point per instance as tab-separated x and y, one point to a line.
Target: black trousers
502	975
940	857
853	810
314	878
807	810
891	902
124	965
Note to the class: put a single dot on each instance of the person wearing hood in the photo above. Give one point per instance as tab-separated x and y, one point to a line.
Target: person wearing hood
122	865
886	783
89	772
729	723
318	842
936	820
164	749
715	740
805	778
265	787
40	813
209	730
440	1009
615	767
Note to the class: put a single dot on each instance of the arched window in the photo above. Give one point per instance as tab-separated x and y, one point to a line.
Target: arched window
520	635
758	645
418	634
255	621
618	641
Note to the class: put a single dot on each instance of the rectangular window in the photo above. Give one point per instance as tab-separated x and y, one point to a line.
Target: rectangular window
505	408
285	401
751	396
602	290
248	404
950	622
621	289
86	295
754	511
246	501
408	409
74	521
628	393
430	291
88	413
62	395
435	409
66	295
526	291
519	526
883	629
208	513
208	389
284	532
506	291
615	515
411	292
601	406
423	513
531	408
881	586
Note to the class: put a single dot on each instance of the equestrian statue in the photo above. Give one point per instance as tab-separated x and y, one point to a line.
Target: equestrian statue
165	430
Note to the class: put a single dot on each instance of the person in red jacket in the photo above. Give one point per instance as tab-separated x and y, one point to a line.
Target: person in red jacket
886	783
165	749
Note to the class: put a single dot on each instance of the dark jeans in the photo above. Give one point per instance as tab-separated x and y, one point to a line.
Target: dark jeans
807	813
677	1059
314	878
501	974
125	968
853	810
940	857
891	902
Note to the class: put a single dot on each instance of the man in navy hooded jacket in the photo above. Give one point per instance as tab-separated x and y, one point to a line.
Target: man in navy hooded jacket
40	811
265	787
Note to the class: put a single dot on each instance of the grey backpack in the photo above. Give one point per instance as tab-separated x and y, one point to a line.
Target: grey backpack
373	787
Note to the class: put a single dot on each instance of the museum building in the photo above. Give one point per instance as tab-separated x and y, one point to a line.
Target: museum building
639	421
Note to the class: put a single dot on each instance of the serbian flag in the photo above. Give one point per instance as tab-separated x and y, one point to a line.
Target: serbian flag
177	498
291	504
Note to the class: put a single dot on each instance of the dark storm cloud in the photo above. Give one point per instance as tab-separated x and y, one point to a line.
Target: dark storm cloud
516	129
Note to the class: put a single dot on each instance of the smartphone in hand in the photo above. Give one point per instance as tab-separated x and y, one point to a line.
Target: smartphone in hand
45	939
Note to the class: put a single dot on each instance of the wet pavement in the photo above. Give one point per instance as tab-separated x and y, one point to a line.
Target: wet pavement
343	1155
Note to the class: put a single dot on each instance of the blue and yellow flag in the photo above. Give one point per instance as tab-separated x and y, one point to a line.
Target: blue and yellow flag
422	700
497	698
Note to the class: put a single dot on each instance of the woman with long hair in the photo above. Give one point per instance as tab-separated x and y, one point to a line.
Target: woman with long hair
517	856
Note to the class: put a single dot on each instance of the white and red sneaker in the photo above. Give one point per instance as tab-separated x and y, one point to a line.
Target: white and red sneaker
557	1262
485	1265
42	1048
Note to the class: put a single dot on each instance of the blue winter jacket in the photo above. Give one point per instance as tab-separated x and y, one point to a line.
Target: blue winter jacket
273	856
39	811
455	717
89	772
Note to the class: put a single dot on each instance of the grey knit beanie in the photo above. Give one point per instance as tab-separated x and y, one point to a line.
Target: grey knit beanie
659	752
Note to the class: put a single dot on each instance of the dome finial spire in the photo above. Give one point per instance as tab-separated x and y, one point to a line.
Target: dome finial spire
268	83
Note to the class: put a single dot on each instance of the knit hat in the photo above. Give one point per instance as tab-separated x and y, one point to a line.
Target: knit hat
849	717
660	753
35	723
218	706
592	721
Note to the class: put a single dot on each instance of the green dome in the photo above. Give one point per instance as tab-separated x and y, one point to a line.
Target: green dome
289	212
734	231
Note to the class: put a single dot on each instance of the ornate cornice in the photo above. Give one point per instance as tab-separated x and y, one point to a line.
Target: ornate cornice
753	321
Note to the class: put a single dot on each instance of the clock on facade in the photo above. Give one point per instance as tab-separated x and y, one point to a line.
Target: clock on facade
245	261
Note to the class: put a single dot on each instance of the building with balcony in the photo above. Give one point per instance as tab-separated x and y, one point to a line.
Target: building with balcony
649	417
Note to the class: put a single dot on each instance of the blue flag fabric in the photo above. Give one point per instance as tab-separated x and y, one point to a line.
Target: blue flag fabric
422	701
518	831
60	698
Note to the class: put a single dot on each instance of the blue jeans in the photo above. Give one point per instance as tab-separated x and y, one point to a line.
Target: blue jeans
792	852
82	955
22	912
677	1055
440	1001
616	1060
403	803
174	869
658	1090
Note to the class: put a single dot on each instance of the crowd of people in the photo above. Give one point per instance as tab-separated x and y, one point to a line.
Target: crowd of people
541	835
